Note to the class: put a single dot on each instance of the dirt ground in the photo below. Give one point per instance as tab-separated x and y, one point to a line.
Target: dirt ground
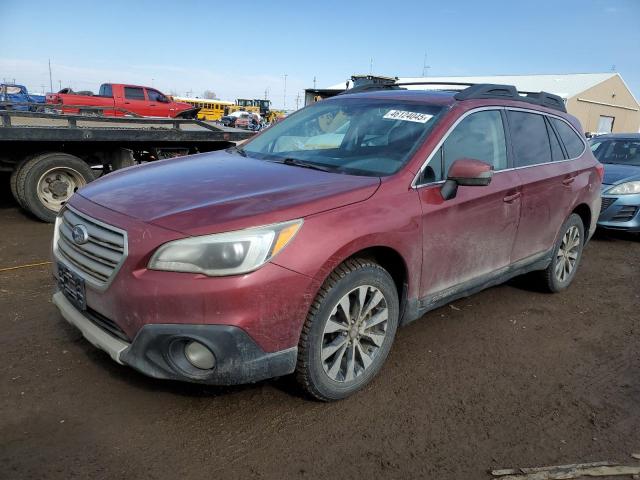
507	378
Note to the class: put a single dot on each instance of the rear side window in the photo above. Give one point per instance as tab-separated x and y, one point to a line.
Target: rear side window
479	136
529	137
134	93
556	149
572	141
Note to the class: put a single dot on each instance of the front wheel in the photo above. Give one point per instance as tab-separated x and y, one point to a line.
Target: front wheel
566	255
349	330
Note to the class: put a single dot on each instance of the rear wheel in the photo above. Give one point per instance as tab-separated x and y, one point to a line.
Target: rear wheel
566	255
47	181
349	331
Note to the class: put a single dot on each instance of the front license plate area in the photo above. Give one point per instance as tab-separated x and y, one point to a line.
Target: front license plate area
72	286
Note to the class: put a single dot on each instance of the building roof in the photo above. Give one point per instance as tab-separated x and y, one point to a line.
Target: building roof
564	85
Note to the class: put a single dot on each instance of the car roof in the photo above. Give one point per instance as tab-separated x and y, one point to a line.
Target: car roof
617	136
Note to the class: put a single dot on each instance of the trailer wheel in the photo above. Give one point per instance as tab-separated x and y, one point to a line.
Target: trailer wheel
14	184
14	179
47	181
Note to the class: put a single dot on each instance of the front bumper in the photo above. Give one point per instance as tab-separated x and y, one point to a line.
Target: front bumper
621	212
153	351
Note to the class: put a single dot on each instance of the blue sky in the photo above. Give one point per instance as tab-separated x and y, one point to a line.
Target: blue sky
241	49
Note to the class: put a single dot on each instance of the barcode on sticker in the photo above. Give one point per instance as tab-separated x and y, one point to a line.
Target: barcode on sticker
408	116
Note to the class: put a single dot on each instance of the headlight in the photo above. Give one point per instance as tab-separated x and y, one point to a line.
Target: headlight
627	188
229	253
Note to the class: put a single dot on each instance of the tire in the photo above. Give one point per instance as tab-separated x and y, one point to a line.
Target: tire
326	330
13	181
562	269
71	172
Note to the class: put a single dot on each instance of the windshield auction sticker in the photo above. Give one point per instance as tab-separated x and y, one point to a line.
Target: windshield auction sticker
408	116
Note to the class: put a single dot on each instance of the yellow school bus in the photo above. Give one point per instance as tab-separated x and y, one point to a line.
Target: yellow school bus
209	109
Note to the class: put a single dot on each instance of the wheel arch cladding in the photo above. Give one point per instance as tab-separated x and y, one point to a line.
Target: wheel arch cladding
584	212
388	258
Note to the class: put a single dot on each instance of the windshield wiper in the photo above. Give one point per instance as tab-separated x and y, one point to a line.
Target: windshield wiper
301	163
238	150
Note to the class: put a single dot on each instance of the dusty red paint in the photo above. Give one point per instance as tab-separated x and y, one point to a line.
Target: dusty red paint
442	243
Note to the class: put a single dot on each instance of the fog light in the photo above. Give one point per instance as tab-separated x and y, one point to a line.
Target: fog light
199	356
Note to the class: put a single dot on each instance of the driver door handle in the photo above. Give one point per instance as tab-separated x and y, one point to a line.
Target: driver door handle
511	198
569	180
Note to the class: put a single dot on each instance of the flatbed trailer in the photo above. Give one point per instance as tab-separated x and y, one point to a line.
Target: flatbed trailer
51	155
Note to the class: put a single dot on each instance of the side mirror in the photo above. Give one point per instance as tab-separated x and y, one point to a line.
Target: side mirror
466	172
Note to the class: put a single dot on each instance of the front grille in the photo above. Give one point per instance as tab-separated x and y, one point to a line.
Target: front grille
106	324
606	203
624	214
102	254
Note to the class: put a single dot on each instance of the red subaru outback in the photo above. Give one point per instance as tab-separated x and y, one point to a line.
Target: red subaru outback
304	250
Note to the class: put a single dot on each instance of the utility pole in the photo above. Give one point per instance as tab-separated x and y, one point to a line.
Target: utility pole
314	82
42	86
371	66
266	93
50	81
59	85
284	102
425	67
297	100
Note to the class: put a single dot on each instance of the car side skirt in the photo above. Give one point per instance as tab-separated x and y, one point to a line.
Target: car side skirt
416	308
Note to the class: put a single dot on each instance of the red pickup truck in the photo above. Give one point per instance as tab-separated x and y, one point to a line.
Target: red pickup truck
119	100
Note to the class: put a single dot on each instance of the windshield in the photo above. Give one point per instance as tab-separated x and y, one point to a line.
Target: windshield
622	152
348	135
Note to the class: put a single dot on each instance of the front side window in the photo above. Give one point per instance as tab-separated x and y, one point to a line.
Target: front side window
529	137
356	136
623	152
134	93
479	136
572	141
154	95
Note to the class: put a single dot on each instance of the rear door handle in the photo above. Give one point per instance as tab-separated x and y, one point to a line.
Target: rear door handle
511	198
568	180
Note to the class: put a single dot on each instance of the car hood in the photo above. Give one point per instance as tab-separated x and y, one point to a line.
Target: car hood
216	192
615	173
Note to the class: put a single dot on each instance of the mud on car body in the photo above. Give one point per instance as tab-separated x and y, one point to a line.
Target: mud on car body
304	250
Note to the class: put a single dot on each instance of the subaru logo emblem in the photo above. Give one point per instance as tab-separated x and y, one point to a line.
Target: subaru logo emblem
80	234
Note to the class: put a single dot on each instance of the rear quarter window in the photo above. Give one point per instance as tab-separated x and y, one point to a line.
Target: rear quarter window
572	141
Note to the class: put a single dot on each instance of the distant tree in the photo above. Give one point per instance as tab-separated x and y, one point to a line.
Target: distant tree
209	95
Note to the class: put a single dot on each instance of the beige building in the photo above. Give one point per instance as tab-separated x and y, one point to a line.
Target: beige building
602	101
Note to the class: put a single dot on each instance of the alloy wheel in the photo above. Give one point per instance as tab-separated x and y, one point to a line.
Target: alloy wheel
354	333
568	253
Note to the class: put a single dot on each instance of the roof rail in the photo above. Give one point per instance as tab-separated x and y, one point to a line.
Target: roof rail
371	86
476	91
489	90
